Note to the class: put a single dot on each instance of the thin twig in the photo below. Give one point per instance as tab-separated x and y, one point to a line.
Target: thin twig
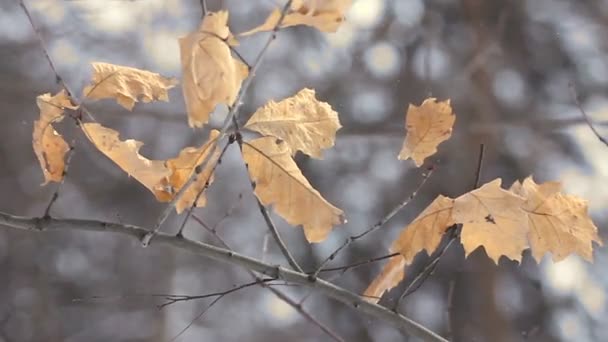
358	263
58	78
378	224
585	116
201	314
227	122
426	272
200	193
479	170
204	9
277	237
296	306
172	299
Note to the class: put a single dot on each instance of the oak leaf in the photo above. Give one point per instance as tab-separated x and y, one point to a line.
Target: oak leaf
427	126
211	76
49	146
127	84
324	15
183	167
303	122
492	217
279	182
558	223
424	233
150	173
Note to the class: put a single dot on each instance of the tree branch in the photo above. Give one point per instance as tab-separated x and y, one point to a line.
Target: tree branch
221	254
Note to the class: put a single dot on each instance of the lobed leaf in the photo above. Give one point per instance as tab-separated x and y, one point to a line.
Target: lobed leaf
279	182
126	85
427	127
303	122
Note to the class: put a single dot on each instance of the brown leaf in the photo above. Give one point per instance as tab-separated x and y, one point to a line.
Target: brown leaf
279	182
558	223
126	155
324	15
211	76
424	233
303	122
427	127
492	217
183	166
127	84
49	146
391	275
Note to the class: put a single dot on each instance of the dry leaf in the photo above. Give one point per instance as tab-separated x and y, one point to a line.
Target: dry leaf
558	223
493	218
211	76
127	84
424	233
391	275
49	146
324	15
183	166
427	127
279	182
125	154
305	123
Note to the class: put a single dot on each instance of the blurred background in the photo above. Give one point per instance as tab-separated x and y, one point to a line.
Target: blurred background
509	68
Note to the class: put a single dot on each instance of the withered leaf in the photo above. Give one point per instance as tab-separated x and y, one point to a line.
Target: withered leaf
279	182
303	122
49	146
427	126
211	76
127	85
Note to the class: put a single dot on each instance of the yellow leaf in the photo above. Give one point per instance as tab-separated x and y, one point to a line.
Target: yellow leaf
183	166
279	182
427	127
424	233
492	217
126	155
324	15
49	146
558	223
391	275
127	84
303	122
211	76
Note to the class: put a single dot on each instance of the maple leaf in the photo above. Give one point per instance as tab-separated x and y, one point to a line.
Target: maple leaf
492	217
558	223
125	154
211	76
427	126
183	166
303	122
279	182
49	146
324	15
127	84
424	233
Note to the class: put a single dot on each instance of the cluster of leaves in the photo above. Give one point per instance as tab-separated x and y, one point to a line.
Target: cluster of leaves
504	222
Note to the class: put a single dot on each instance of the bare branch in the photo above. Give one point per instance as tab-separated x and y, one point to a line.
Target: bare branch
220	254
378	224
